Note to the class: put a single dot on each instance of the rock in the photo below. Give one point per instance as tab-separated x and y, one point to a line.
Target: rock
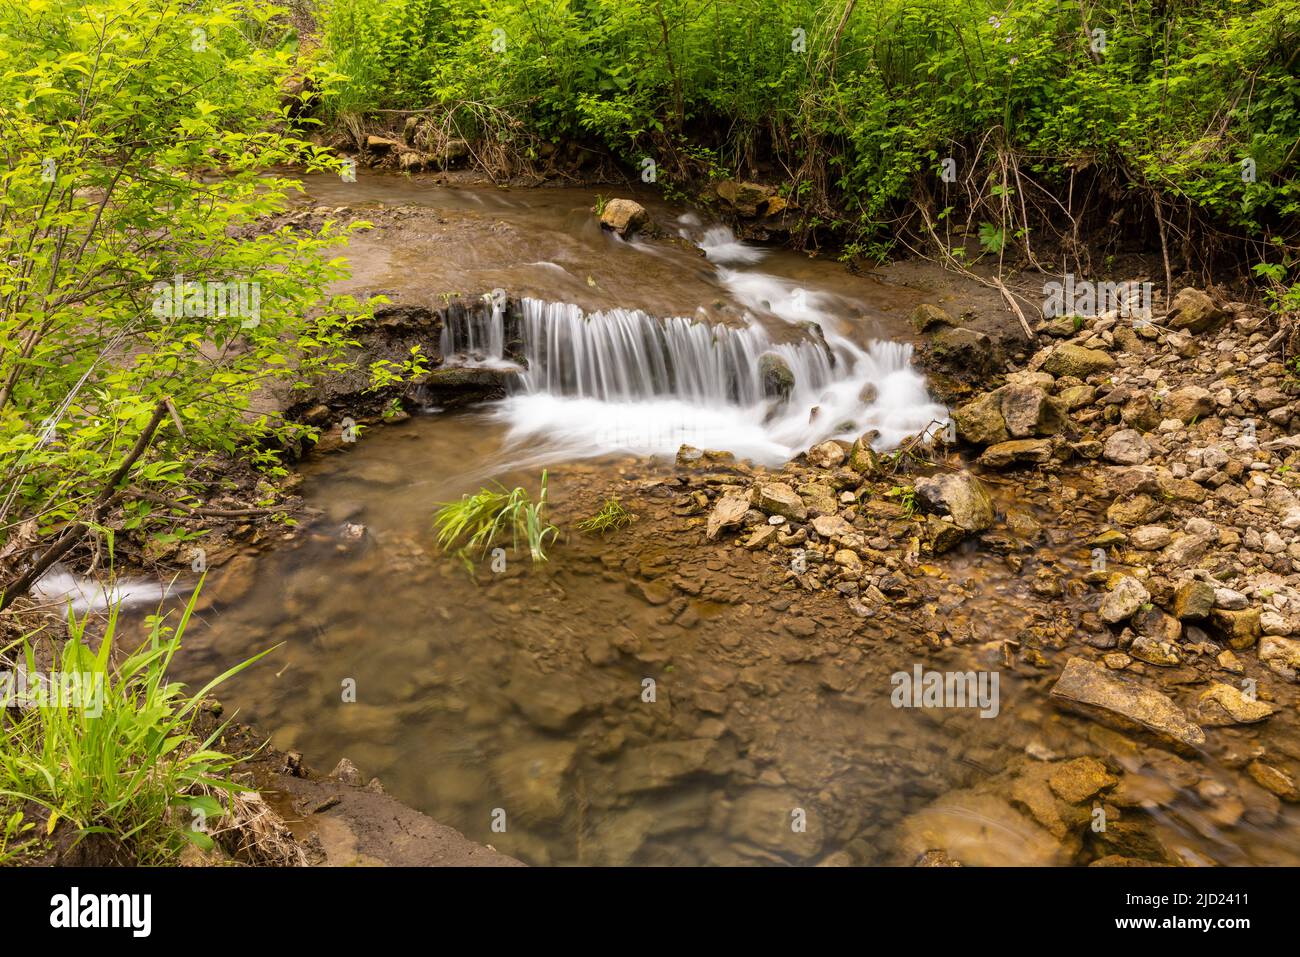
532	780
1076	396
1079	780
964	354
1128	705
959	495
761	537
942	535
624	216
1191	402
1224	705
747	199
1230	600
1164	654
819	499
980	421
827	455
926	317
1154	623
1241	628
957	826
1127	447
348	773
1193	600
831	526
550	701
863	459
452	152
1069	359
1150	537
1131	511
1194	311
1281	656
1029	411
1017	451
688	456
728	513
777	498
451	386
768	818
778	380
660	765
1274	781
1125	598
381	144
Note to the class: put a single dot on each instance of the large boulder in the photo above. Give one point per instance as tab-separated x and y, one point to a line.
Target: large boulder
748	199
624	216
452	386
959	495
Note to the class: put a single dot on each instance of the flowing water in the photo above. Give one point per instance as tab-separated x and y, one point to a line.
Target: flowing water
579	711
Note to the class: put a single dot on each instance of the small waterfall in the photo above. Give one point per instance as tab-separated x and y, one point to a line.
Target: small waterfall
624	355
621	380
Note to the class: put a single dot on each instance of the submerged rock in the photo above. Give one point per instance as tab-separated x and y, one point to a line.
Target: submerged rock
1128	705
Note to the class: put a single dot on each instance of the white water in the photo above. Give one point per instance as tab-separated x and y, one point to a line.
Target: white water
58	585
621	380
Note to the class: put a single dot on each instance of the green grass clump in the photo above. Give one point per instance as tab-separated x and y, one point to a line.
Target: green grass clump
119	758
611	517
477	522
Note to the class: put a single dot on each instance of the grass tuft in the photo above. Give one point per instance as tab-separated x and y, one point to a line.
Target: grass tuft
611	517
477	522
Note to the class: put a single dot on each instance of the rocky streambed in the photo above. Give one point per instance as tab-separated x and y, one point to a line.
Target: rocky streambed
1059	630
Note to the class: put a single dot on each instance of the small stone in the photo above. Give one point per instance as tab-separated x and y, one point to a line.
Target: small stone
1076	781
1223	705
1125	598
1127	447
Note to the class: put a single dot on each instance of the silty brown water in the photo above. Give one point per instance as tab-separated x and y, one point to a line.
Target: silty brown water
602	716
